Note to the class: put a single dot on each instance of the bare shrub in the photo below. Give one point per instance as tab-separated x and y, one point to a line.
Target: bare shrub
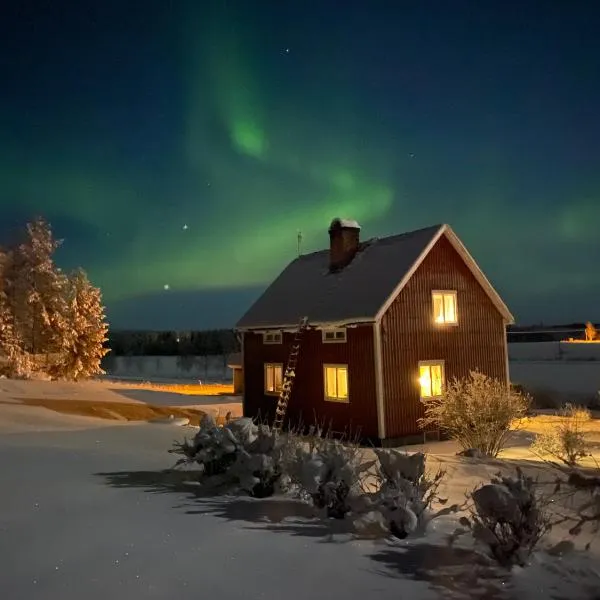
509	517
477	411
566	441
583	490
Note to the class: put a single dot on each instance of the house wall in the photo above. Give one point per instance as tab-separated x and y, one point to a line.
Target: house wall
409	335
307	404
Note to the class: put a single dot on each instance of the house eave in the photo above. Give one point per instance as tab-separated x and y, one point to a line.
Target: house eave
311	324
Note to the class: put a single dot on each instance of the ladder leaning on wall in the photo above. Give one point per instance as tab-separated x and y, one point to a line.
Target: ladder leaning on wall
289	376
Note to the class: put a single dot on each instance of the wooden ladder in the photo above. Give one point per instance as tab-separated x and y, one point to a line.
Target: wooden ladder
288	377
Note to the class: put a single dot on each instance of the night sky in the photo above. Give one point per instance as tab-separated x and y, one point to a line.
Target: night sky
178	147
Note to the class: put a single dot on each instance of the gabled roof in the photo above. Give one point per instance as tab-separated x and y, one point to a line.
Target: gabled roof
361	292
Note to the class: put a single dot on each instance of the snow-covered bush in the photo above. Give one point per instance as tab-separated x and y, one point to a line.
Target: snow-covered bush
331	473
509	517
566	441
251	456
405	491
213	448
477	411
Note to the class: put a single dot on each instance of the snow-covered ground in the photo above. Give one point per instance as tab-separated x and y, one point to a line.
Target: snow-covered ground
86	511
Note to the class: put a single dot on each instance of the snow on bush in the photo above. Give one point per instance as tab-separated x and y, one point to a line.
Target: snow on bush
251	456
405	491
566	441
391	493
332	474
509	517
477	411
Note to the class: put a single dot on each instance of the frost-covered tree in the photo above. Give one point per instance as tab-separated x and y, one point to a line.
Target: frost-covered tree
35	290
83	347
15	361
591	334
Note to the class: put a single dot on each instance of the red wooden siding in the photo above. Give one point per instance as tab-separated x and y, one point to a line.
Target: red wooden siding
307	404
409	335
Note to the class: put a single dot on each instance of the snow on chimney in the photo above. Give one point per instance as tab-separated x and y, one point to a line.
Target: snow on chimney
344	239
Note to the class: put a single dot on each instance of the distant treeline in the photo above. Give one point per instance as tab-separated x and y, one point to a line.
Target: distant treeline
224	341
545	333
172	343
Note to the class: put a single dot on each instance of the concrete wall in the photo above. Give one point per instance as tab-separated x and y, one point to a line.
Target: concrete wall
210	369
575	381
560	371
553	351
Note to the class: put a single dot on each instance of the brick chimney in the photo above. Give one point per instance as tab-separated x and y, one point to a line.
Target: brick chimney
344	239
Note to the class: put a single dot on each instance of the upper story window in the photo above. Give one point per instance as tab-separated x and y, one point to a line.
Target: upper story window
444	307
334	335
272	337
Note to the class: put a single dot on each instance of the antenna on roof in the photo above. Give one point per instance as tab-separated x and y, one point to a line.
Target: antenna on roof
299	243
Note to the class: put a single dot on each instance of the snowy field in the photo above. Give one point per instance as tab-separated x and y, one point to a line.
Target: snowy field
87	511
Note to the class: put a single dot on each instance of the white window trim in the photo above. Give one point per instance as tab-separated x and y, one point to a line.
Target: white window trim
335	330
265	366
429	363
273	333
336	366
452	293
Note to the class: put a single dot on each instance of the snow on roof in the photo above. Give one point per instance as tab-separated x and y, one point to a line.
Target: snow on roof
344	224
306	287
360	292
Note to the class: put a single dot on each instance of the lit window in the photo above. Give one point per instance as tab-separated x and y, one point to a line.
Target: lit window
444	307
334	335
336	383
273	378
272	337
431	379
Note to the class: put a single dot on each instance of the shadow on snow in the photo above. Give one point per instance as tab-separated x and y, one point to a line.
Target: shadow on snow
455	572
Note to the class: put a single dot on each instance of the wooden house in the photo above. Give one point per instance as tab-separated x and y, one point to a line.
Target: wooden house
390	321
234	363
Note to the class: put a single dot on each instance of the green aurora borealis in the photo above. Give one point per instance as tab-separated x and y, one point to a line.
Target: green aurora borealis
211	137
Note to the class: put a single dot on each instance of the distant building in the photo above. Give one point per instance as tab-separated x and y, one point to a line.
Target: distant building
235	364
391	320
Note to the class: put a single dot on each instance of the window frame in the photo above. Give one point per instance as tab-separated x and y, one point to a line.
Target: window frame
335	330
431	363
277	333
443	294
266	366
336	366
